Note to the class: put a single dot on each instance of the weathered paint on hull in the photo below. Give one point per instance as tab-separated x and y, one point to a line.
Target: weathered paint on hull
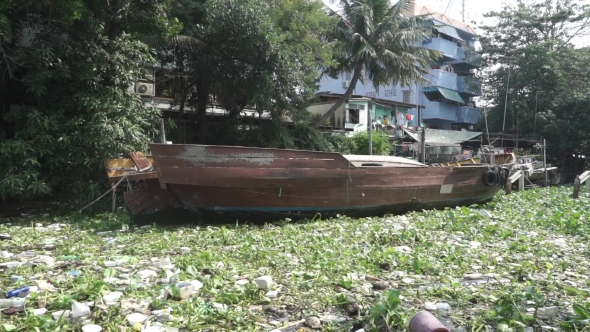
231	209
252	183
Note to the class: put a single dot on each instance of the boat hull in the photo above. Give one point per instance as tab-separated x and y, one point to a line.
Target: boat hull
232	182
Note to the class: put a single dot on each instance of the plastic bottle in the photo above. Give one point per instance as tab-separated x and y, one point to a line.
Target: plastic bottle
13	303
19	292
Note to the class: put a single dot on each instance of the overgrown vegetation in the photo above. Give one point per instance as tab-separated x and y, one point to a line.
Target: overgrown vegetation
530	258
67	66
548	89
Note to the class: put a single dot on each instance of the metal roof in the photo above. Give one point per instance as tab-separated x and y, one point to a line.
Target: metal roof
443	137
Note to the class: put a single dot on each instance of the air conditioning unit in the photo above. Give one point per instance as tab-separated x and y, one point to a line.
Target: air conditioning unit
144	89
345	84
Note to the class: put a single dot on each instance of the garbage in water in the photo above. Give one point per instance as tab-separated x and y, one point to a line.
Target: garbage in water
19	292
13	303
62	314
263	282
80	309
91	328
424	321
136	318
39	312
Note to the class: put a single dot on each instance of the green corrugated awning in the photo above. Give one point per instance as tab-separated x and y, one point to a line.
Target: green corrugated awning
451	95
449	31
447	93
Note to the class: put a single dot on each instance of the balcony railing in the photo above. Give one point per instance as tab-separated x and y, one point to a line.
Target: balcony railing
468	55
469	85
468	115
448	48
443	79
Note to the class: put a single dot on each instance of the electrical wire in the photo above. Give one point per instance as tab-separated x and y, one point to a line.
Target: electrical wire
448	6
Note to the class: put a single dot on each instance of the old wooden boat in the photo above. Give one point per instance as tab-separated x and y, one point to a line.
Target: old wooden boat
255	183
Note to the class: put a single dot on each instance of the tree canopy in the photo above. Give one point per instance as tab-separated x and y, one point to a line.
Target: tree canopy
529	53
68	64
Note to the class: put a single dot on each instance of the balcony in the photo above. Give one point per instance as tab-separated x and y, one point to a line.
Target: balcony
468	115
441	111
469	85
468	58
443	79
448	48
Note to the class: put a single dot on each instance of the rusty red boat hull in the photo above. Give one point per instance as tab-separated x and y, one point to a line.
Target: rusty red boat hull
255	183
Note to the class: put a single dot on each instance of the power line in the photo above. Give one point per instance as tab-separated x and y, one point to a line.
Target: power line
448	6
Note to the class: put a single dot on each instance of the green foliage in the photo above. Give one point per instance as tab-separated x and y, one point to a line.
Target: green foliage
72	81
387	314
381	144
549	83
266	54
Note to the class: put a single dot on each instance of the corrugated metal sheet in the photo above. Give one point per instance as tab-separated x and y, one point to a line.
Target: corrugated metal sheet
448	30
447	93
443	137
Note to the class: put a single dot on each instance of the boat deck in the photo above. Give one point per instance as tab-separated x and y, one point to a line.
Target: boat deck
381	161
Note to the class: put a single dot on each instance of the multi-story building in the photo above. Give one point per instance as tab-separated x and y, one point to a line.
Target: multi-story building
447	99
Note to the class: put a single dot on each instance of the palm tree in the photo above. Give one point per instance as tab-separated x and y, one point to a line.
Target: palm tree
378	42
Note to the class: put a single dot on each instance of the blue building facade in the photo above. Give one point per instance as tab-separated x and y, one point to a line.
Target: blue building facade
447	99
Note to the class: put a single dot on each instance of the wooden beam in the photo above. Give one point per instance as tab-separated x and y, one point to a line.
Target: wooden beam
577	187
518	175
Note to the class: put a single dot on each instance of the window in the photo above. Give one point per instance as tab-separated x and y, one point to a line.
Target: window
407	96
347	76
353	116
371	94
390	93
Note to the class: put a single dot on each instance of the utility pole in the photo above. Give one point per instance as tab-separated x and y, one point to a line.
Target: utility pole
505	106
536	107
463	12
370	125
422	149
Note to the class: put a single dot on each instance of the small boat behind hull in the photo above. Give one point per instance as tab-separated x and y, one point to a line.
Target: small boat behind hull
232	183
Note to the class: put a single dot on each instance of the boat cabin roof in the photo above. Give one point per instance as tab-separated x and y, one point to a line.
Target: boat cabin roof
381	161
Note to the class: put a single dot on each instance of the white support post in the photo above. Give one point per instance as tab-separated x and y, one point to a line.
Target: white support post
584	179
517	176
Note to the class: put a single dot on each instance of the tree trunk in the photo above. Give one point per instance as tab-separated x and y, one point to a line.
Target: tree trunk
357	74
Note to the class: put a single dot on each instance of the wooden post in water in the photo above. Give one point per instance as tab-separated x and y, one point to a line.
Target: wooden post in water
114	197
577	183
583	178
546	182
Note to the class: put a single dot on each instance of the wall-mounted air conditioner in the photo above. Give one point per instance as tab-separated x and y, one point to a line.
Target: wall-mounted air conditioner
142	88
345	84
145	89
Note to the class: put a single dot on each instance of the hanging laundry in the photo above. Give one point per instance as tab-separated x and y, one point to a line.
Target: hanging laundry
400	119
409	117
